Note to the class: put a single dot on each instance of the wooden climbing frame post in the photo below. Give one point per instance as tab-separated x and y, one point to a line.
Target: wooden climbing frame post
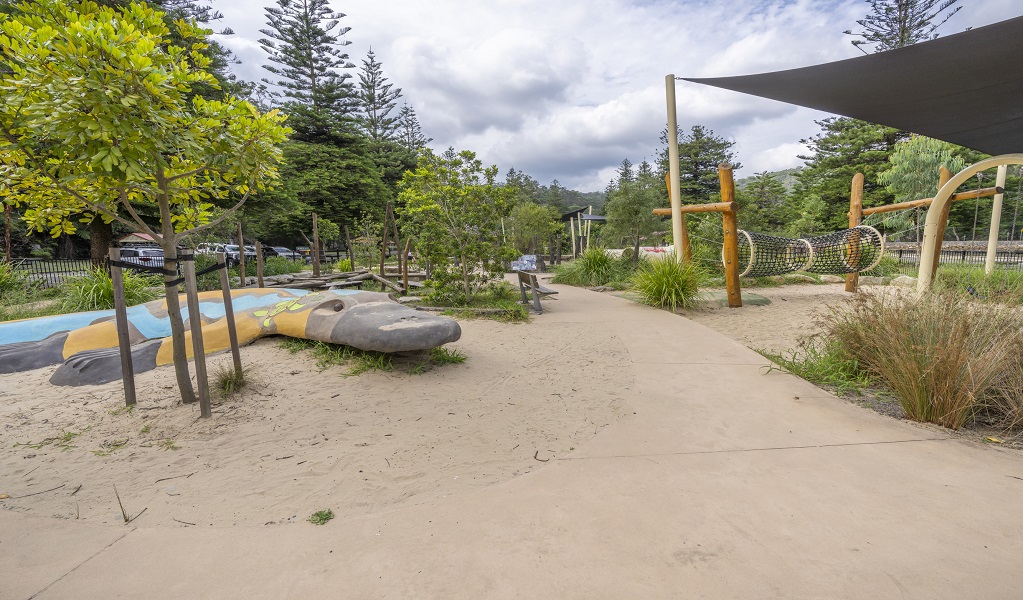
731	241
852	280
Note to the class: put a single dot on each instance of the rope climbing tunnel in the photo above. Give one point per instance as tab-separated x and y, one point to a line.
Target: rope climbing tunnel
848	251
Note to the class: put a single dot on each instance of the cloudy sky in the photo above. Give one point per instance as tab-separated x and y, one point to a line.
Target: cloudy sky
565	89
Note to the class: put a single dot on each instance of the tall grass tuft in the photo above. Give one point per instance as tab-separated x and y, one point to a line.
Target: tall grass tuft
95	291
1004	285
13	281
823	362
941	355
668	283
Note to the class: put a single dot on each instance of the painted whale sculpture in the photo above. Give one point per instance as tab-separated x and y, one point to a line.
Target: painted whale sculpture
85	344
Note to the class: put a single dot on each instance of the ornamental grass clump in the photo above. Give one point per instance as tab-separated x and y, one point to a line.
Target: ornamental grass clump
943	356
95	290
594	267
669	284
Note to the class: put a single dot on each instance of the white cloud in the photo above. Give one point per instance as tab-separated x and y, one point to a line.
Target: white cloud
565	90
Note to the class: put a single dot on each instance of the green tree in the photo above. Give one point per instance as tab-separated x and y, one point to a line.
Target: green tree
453	207
410	132
98	118
301	38
761	201
843	148
700	152
630	204
338	183
531	225
899	23
377	98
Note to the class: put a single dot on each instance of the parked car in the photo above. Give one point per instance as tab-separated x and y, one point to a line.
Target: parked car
148	257
206	248
232	256
282	252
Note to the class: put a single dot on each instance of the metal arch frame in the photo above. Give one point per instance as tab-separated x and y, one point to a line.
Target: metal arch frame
932	245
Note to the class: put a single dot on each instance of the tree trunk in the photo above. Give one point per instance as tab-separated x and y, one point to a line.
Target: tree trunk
101	235
465	277
635	252
65	248
177	324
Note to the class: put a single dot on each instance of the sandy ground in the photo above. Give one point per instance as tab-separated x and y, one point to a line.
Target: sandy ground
300	439
780	325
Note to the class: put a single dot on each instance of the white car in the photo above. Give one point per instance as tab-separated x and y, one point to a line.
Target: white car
147	257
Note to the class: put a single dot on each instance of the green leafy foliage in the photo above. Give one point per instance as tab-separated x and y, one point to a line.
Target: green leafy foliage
321	517
630	203
99	114
95	290
453	208
669	284
531	226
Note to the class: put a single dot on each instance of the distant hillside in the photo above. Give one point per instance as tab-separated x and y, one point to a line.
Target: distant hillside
786	177
575	200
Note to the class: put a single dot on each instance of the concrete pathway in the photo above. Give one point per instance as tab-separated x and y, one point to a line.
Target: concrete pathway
724	482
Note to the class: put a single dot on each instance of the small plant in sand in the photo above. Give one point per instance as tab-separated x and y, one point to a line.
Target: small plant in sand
321	517
444	356
110	446
228	381
62	441
669	284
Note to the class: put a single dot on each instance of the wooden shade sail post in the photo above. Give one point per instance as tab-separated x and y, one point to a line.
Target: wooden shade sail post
852	280
679	234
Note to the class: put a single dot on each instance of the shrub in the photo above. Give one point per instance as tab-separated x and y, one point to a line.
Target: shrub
278	265
1003	285
343	266
595	267
940	354
668	283
209	281
95	290
888	266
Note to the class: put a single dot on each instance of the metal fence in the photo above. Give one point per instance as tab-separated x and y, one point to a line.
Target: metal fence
51	272
1003	259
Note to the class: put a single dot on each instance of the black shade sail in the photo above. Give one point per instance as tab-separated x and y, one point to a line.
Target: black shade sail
965	88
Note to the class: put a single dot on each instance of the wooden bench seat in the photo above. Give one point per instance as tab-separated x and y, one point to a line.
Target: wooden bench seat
528	282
